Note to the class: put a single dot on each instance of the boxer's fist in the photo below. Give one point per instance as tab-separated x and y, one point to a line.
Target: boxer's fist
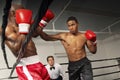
90	35
23	19
47	17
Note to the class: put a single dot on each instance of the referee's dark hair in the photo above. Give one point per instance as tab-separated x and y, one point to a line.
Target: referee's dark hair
50	57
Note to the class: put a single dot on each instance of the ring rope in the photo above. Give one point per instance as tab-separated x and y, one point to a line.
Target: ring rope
4	25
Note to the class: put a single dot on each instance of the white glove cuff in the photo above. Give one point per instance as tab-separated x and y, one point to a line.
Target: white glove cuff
24	28
95	43
43	23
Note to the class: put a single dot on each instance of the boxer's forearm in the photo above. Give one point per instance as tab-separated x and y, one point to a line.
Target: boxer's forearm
47	37
92	48
15	43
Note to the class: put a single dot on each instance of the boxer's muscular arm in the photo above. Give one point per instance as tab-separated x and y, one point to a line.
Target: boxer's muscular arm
15	45
47	37
14	40
90	45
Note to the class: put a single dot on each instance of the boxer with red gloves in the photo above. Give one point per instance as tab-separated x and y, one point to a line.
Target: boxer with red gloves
29	67
74	43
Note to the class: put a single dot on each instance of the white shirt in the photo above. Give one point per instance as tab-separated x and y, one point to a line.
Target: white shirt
54	73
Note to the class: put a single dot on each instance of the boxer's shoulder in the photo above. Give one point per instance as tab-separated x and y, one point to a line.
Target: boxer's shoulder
10	28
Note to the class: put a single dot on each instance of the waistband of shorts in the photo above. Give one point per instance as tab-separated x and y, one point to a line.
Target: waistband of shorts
29	60
79	61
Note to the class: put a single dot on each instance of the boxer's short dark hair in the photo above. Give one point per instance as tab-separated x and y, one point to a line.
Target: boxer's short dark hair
72	18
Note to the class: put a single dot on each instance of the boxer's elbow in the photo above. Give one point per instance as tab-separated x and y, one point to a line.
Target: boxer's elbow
92	48
93	51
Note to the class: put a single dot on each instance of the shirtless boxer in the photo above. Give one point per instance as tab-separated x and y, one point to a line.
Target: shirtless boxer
74	43
19	21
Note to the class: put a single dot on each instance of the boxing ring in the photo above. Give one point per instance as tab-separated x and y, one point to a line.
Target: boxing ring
105	63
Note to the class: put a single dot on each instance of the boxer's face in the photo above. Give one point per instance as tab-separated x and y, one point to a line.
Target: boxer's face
12	12
51	61
72	26
13	8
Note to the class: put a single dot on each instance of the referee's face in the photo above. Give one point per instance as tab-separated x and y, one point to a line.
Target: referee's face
51	61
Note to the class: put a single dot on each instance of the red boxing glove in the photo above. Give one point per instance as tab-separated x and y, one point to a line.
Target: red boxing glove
90	35
47	17
23	19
